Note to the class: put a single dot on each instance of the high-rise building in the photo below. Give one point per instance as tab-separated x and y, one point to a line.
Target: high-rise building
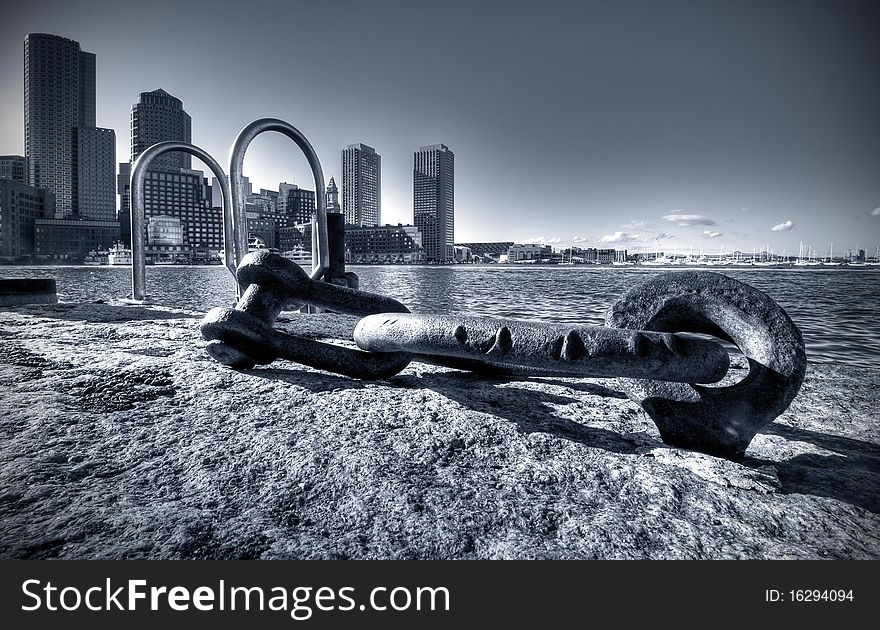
159	117
434	200
59	98
171	188
361	185
95	184
13	167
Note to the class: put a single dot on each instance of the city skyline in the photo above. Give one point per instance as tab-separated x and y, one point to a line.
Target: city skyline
713	124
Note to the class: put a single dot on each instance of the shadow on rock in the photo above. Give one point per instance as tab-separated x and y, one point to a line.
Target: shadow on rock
313	381
527	408
100	313
593	389
852	475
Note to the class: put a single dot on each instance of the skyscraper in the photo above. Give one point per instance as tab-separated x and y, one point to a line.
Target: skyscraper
59	97
171	187
158	117
95	181
434	200
361	185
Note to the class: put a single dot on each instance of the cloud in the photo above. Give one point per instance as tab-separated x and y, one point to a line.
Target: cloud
619	237
543	240
743	209
580	239
687	220
711	234
783	227
875	212
634	225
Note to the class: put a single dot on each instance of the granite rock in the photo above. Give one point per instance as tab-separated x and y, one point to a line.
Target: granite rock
122	438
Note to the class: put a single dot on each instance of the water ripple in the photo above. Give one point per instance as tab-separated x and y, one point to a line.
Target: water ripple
836	309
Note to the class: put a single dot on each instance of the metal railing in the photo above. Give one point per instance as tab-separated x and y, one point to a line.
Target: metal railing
235	233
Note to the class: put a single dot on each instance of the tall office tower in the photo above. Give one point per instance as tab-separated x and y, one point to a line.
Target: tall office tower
59	96
13	167
171	187
123	188
95	184
333	197
158	117
434	200
361	185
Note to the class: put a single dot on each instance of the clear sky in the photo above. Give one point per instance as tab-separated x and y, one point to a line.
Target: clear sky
688	123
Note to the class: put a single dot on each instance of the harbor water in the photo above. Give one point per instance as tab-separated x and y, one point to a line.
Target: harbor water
836	309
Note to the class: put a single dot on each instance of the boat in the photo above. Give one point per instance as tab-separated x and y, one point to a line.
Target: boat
95	258
299	255
119	255
570	261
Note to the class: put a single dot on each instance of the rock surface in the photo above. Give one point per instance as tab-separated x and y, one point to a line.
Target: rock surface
122	439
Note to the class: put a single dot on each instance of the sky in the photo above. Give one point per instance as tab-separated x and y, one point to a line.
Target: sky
663	124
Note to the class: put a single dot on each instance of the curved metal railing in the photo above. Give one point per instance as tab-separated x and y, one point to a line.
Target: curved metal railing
138	247
235	233
321	255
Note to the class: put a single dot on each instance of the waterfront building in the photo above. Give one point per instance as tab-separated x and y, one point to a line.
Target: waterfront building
434	200
520	252
59	102
72	239
171	187
361	185
217	193
262	231
363	244
94	151
383	243
164	230
281	198
123	189
184	194
165	239
642	257
265	202
462	254
298	206
20	206
295	237
605	256
13	167
488	250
